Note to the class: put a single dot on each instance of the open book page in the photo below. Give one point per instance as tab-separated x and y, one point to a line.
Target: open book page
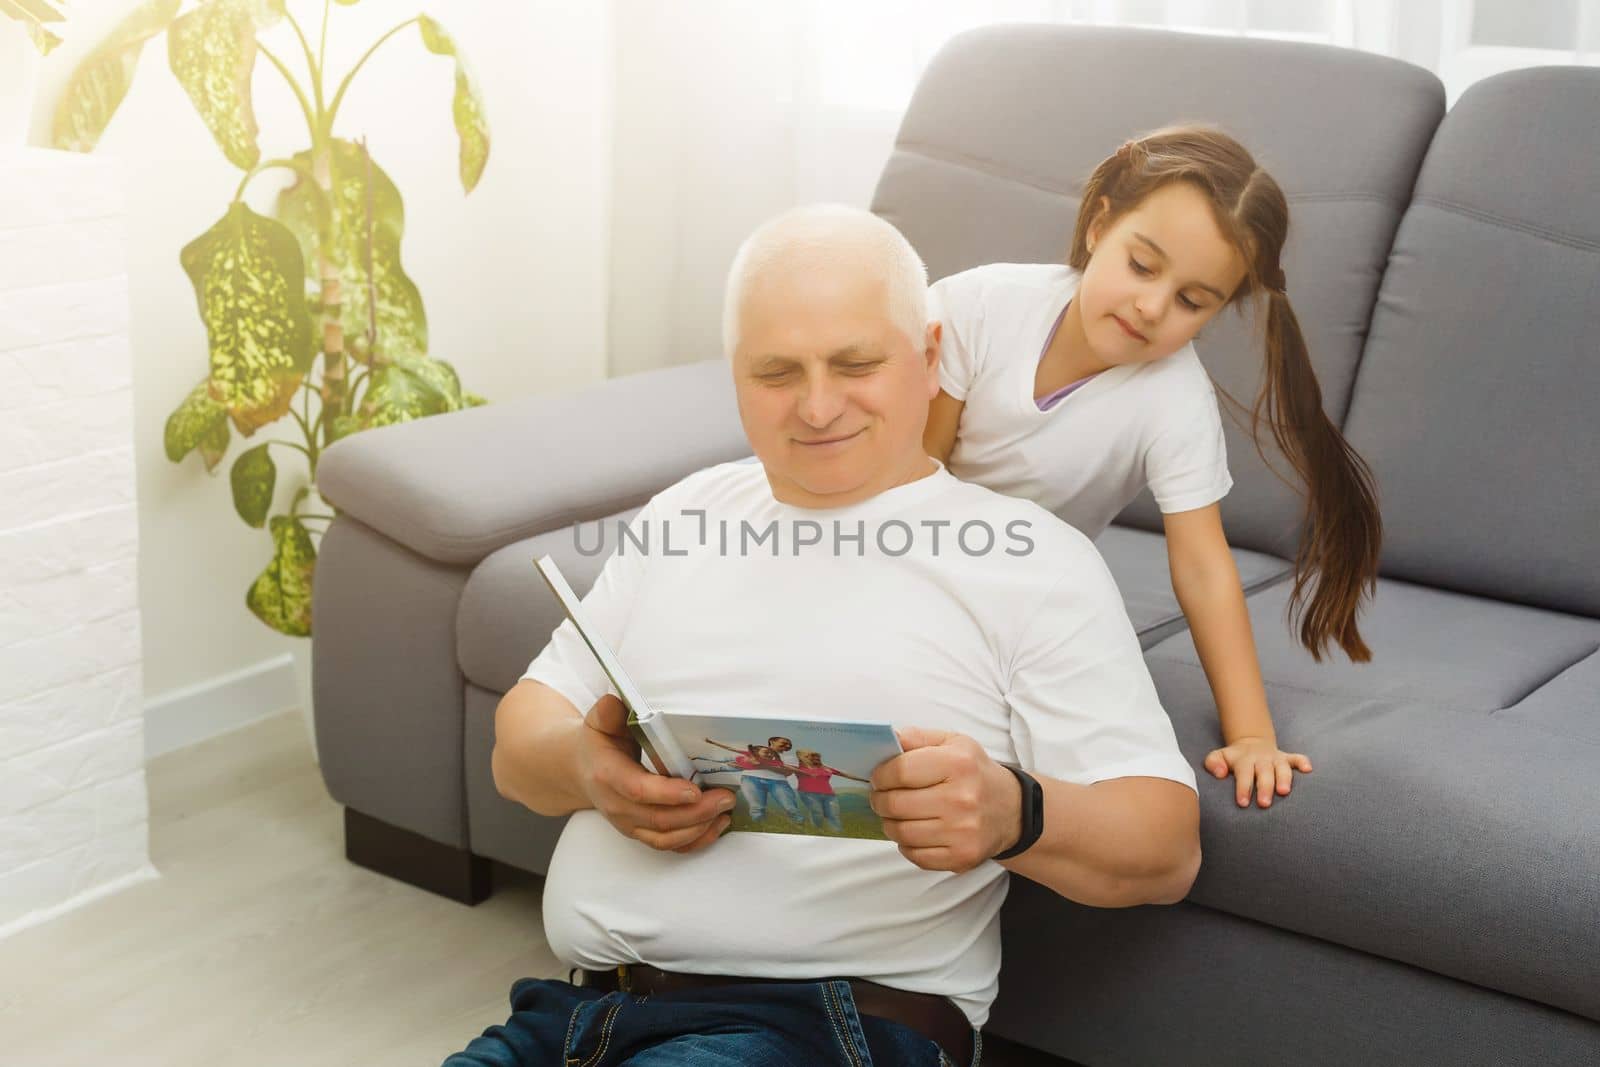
657	744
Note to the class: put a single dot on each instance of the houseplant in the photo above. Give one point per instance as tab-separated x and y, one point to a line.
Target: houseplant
25	21
36	18
309	314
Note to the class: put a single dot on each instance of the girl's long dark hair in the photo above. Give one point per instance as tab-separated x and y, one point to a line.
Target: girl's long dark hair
1343	531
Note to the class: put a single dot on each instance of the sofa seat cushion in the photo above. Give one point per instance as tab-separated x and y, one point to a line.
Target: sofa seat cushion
1428	645
1176	986
507	613
1138	562
1446	824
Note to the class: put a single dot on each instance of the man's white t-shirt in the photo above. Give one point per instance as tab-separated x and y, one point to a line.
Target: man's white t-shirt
1026	648
1086	458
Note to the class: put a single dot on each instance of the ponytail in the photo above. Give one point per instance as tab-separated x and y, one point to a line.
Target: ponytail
1343	530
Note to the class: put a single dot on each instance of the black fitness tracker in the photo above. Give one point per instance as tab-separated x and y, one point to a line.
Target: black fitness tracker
1032	813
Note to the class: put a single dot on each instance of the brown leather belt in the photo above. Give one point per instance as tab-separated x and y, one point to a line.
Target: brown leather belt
934	1017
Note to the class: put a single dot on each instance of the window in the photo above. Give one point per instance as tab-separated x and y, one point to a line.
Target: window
867	57
1479	38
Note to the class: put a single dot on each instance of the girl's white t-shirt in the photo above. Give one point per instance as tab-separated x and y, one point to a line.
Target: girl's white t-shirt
1086	458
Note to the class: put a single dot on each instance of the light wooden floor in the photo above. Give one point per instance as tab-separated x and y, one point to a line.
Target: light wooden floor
260	944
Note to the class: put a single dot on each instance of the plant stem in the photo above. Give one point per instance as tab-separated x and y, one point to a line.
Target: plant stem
294	165
311	453
291	444
372	277
302	421
299	94
333	108
361	376
312	66
319	434
322	45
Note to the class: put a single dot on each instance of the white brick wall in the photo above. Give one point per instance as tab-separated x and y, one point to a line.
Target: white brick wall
73	809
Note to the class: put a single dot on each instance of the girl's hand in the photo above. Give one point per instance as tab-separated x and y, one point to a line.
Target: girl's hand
1256	762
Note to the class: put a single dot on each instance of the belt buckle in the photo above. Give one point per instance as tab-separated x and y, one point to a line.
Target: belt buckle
624	980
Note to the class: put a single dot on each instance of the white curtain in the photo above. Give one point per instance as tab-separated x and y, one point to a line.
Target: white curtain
726	112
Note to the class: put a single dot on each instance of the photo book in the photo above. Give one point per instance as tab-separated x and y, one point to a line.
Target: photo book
788	775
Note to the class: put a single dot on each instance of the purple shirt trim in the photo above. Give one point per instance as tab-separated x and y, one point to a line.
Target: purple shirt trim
1047	402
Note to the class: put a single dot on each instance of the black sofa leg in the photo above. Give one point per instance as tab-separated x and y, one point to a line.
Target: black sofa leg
415	860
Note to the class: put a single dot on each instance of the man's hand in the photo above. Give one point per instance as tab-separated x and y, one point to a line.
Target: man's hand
1258	762
945	802
664	813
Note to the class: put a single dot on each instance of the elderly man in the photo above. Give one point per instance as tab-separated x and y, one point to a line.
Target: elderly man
988	631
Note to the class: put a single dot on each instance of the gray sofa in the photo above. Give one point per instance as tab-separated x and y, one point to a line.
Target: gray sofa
1431	894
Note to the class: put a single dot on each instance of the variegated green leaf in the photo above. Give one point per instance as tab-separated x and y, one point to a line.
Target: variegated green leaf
305	209
199	422
43	40
33	14
38	11
212	51
281	595
440	375
96	88
472	125
33	11
400	392
249	279
254	477
472	400
214	445
343	426
359	184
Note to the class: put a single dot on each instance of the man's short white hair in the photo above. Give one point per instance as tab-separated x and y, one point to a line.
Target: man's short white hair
821	235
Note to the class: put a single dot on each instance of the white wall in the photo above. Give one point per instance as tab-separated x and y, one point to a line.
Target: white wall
723	119
513	276
73	814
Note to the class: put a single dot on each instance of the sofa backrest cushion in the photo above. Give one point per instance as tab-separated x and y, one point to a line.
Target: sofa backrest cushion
1008	122
1478	397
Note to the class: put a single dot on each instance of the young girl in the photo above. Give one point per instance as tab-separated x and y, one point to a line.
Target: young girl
816	792
1077	386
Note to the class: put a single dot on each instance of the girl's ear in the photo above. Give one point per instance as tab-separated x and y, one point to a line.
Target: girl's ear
1102	212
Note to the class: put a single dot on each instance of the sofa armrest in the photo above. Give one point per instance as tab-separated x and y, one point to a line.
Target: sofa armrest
455	487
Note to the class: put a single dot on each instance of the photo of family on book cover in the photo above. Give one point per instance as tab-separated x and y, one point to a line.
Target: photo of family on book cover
790	776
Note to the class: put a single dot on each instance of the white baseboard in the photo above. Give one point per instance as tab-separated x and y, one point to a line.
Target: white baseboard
195	713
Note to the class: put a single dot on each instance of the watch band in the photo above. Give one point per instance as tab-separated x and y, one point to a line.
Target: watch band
1032	813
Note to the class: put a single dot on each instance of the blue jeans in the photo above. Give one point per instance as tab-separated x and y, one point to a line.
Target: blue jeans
757	791
801	1024
823	806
